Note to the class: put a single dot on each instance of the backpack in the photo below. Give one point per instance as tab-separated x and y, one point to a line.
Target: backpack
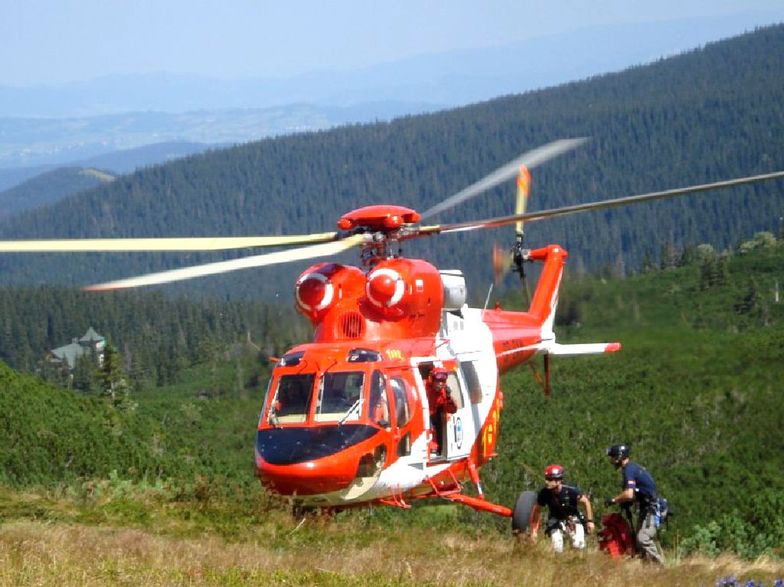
662	512
616	537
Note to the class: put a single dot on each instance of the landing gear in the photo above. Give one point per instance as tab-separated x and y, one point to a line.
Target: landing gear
522	511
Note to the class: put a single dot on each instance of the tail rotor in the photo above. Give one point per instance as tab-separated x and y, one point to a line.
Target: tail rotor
504	260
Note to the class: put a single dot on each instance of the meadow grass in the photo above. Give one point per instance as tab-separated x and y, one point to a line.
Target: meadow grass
48	539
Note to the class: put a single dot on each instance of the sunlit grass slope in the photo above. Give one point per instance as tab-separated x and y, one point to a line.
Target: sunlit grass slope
97	541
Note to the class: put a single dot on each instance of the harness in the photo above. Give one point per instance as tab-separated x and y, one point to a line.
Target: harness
565	504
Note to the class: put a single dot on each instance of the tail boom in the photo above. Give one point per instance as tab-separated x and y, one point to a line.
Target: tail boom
518	336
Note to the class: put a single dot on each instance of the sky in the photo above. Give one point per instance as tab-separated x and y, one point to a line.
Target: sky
57	41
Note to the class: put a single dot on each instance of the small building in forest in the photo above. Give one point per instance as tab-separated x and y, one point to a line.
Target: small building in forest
68	355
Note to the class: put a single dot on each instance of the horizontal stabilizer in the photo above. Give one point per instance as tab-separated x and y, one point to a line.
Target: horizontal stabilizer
571	350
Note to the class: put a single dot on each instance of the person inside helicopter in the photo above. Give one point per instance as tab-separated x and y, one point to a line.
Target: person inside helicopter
441	403
340	396
379	401
292	400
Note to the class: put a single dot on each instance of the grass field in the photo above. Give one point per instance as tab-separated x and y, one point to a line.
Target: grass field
40	553
117	538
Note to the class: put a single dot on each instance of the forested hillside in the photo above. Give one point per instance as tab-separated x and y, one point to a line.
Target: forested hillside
55	438
156	337
707	115
696	391
50	187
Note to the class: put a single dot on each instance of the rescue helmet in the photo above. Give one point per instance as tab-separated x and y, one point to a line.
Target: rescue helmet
618	452
553	472
439	374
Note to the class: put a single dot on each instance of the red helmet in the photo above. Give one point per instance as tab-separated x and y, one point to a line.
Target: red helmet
439	374
553	472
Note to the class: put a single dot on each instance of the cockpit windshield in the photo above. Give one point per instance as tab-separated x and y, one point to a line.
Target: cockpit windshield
340	396
332	396
291	402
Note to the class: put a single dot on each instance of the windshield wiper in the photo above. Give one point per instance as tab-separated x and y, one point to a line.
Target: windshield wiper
350	411
273	417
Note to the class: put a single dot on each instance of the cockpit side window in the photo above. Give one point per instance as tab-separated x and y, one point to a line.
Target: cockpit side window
340	396
471	377
402	410
291	403
379	402
264	403
453	383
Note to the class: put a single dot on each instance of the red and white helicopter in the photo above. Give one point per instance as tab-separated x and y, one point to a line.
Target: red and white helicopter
346	418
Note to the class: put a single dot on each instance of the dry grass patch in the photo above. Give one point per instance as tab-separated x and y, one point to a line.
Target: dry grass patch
35	553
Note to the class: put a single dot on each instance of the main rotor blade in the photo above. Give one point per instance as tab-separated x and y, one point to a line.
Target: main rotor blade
299	254
530	159
160	244
566	210
523	191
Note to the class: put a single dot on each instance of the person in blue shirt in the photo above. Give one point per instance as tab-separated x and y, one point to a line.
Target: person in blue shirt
639	489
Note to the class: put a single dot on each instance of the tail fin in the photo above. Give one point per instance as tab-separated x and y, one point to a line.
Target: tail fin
545	300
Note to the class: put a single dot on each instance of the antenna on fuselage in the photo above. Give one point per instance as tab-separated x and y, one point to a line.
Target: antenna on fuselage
487	299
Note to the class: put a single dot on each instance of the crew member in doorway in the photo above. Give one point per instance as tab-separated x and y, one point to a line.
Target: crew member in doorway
441	403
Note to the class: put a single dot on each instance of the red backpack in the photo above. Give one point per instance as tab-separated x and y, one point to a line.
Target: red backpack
616	536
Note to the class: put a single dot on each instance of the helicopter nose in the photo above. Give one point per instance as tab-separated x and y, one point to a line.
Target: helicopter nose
310	478
311	460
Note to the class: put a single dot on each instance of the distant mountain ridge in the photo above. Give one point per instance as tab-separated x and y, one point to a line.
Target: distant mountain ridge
50	187
61	124
710	114
117	162
63	141
445	79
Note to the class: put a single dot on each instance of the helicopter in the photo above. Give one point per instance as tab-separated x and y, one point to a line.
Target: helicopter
347	419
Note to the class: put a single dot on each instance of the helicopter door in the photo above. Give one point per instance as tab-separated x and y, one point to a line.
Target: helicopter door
401	412
460	425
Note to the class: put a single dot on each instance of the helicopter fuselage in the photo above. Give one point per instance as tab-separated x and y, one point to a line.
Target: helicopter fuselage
346	418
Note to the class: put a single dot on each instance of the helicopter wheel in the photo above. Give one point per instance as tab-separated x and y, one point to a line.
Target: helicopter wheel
522	511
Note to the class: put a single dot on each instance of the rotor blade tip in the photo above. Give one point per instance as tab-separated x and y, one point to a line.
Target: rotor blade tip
100	287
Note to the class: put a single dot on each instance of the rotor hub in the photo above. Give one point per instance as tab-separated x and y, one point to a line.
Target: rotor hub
384	219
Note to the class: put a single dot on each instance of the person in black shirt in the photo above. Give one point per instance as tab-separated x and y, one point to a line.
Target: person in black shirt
562	503
638	488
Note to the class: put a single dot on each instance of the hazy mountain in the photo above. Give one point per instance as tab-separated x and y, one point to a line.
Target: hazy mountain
444	79
60	141
63	124
128	160
117	162
50	187
711	114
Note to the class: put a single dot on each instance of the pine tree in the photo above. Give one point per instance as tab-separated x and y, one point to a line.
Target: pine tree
112	379
83	376
688	256
748	302
669	255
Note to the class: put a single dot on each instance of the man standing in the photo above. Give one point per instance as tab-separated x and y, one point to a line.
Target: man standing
639	488
441	403
564	515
